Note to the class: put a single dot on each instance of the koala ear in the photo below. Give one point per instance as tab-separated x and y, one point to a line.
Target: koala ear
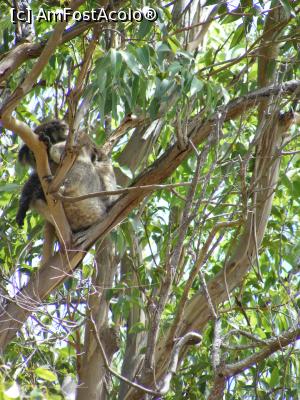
101	155
94	155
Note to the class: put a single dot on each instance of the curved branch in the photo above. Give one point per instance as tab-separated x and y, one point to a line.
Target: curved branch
226	371
272	345
188	338
23	130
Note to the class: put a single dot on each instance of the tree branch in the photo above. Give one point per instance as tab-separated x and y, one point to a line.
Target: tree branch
164	384
116	374
272	345
23	130
26	51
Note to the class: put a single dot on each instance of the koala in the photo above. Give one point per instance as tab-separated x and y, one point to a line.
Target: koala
32	195
91	172
84	177
31	191
105	172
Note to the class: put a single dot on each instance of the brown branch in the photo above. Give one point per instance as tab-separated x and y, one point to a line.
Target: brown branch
272	345
64	167
198	264
55	207
26	51
269	50
164	384
252	51
171	265
75	94
23	130
219	385
114	373
247	335
70	153
129	122
149	188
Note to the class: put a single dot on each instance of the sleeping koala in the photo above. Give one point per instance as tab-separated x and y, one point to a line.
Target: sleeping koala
91	172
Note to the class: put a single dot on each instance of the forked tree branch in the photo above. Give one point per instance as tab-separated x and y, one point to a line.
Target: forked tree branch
226	371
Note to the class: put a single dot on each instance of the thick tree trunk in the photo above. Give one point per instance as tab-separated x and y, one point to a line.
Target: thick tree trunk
93	367
135	341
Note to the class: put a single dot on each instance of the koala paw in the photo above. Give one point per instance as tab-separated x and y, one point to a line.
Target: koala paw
45	139
48	178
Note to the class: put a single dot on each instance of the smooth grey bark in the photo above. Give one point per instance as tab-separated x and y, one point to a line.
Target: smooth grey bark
135	341
93	369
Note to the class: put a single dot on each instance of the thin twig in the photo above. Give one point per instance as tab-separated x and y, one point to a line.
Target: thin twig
103	193
114	373
164	384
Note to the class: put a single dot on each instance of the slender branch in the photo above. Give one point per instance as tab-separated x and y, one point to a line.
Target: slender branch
65	165
247	335
25	51
272	345
114	373
70	153
142	188
129	122
170	267
289	153
23	130
76	92
198	264
38	67
195	338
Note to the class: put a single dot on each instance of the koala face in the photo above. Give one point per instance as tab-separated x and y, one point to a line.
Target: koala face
55	130
56	151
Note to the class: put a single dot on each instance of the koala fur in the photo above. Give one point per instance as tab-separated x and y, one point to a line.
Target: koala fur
32	195
51	132
89	174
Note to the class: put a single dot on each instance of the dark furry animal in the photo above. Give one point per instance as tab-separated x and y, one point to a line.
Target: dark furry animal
32	194
32	189
91	172
51	132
